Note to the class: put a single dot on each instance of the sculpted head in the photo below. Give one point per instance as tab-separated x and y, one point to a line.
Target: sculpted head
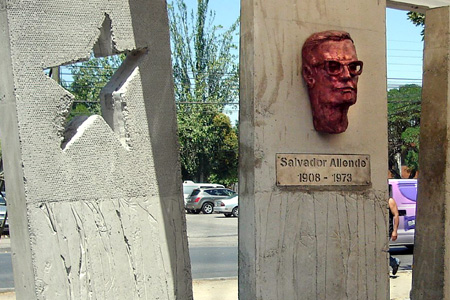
331	69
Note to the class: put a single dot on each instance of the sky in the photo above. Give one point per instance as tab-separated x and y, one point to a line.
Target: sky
404	50
403	40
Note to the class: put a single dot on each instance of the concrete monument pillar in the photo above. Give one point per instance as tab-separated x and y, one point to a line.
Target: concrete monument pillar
313	205
431	271
95	213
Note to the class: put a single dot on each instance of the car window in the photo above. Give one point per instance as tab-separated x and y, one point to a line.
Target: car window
195	192
2	200
230	192
221	193
211	192
409	190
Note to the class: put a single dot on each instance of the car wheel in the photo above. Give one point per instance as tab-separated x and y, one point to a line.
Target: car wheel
208	208
235	212
227	215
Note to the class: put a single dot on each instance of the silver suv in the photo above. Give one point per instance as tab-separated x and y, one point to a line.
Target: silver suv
203	199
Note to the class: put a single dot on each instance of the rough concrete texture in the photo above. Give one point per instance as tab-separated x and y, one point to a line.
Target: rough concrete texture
227	288
309	244
100	217
431	272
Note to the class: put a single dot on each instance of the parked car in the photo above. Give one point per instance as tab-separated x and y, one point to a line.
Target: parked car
404	192
203	199
189	186
229	206
3	210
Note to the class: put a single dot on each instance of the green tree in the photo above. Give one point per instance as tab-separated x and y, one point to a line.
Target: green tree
404	105
89	78
416	18
209	148
403	129
224	159
205	69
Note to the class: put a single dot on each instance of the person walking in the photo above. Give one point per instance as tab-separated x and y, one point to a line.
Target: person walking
393	226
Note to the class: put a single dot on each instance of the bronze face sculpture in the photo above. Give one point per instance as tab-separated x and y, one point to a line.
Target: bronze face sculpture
331	69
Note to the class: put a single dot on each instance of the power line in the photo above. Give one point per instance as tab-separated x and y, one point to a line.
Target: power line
409	50
399	41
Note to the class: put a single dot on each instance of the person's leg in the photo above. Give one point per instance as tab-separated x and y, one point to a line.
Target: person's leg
394	263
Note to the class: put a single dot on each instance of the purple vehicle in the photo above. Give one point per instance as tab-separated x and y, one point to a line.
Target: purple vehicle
404	192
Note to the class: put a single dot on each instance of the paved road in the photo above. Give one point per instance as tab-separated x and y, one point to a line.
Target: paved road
6	278
214	262
213	245
211	230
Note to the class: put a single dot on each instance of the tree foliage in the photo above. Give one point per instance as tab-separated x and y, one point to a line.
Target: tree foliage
89	78
417	19
404	105
204	66
404	119
205	71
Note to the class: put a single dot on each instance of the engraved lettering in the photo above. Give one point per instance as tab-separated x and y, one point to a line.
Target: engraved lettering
323	170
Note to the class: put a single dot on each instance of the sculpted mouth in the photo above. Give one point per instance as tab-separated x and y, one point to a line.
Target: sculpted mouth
346	89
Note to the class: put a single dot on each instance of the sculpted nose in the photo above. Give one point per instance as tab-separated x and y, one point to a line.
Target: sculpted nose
345	73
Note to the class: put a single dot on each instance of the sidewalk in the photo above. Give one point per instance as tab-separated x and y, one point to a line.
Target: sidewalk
228	289
401	285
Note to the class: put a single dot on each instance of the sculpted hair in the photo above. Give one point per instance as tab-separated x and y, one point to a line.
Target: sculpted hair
317	38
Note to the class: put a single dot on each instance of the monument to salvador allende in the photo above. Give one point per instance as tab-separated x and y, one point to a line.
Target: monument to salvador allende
313	151
95	208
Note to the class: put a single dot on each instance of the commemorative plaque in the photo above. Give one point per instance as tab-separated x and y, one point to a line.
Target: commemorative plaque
295	169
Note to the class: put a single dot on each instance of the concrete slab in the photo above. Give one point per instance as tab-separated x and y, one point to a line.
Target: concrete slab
308	239
99	216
